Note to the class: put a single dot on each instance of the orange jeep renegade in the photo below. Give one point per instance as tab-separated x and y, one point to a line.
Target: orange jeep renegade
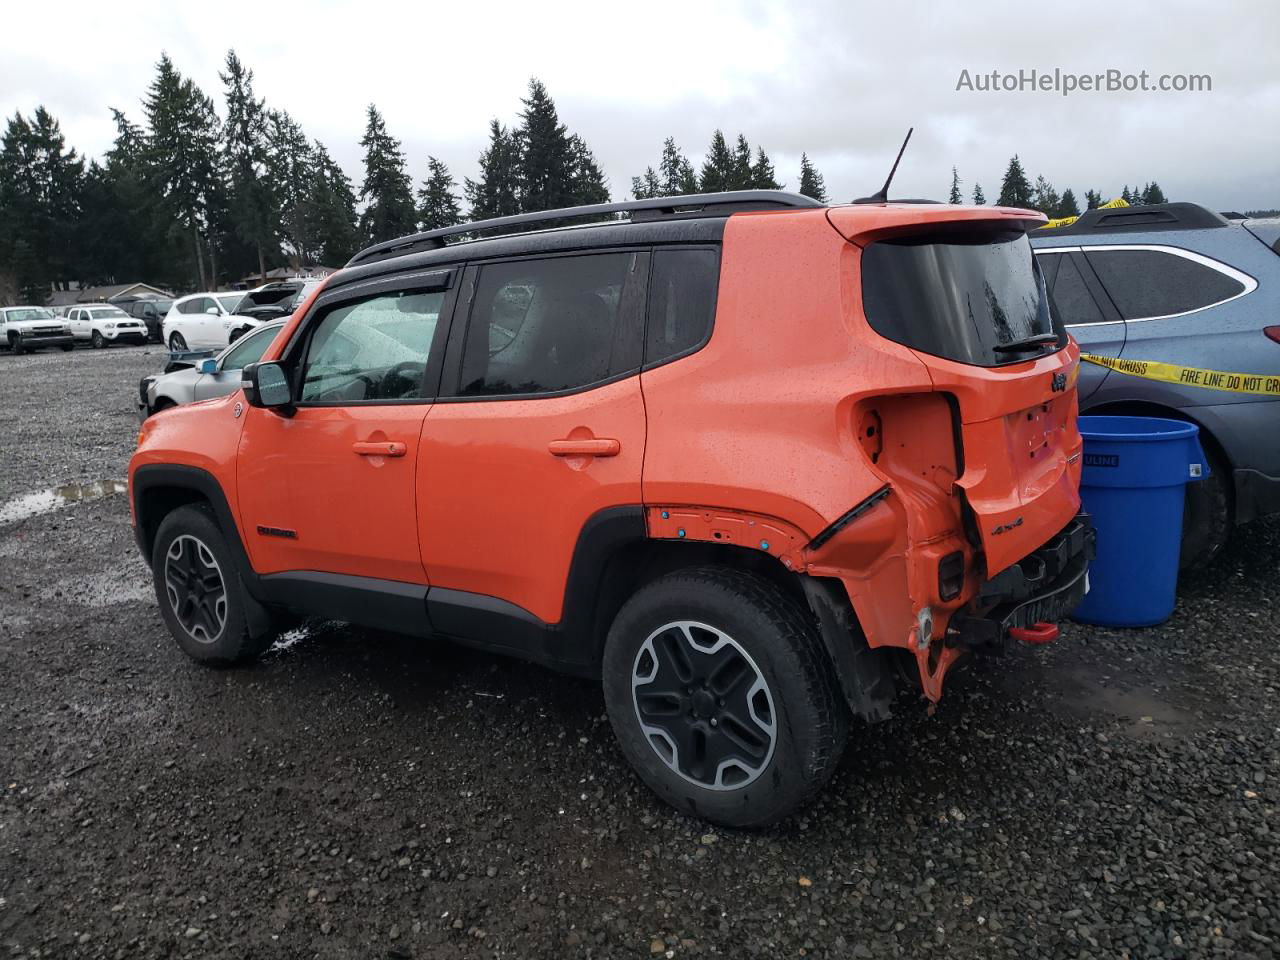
749	461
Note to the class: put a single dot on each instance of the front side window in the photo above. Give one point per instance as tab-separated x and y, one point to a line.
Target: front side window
197	305
249	349
545	326
230	301
1145	284
374	349
975	297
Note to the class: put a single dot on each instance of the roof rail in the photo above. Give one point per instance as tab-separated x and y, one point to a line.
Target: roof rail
697	204
1143	218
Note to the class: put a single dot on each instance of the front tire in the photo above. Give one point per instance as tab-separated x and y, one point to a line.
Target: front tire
68	347
97	340
177	343
16	346
201	596
721	696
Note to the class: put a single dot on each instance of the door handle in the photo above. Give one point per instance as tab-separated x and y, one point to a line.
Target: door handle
594	447
380	448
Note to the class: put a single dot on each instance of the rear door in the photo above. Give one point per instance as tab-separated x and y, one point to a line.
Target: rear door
540	425
331	488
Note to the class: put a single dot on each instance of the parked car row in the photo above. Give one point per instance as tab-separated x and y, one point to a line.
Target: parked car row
198	321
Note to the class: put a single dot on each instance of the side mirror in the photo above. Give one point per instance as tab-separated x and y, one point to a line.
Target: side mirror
208	365
212	311
266	385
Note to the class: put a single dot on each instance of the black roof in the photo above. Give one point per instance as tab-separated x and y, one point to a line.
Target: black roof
1144	218
656	208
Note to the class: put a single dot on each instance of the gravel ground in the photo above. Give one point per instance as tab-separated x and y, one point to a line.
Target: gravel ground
358	794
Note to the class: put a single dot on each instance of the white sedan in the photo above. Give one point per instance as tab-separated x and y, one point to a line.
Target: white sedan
205	321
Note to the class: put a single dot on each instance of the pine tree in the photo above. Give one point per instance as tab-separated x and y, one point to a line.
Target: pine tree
647	185
40	186
1092	199
1128	196
182	157
678	177
740	178
811	183
1152	193
253	204
955	188
1067	206
763	176
587	183
437	203
332	209
717	168
290	166
1044	197
495	194
979	198
546	153
387	191
1015	190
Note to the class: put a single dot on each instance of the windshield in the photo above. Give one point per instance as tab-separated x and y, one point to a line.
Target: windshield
99	313
229	301
28	313
963	296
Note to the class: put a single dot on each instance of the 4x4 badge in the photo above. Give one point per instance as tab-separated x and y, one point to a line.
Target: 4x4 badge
1059	382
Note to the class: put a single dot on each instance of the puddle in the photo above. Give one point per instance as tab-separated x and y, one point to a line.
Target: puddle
47	501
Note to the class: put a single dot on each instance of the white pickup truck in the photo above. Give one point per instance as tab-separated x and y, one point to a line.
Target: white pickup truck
31	328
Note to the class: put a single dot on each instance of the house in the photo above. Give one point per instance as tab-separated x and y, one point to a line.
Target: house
109	294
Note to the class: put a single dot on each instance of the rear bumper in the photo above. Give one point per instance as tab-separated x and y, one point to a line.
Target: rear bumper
1044	586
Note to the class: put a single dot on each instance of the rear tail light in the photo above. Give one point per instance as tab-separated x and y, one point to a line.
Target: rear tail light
1273	333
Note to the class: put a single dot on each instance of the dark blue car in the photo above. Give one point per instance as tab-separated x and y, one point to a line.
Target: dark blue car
1177	283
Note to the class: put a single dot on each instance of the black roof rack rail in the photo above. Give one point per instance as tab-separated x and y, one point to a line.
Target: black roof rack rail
1143	218
697	204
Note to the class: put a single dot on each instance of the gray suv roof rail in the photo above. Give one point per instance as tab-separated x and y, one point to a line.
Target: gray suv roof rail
1145	218
692	205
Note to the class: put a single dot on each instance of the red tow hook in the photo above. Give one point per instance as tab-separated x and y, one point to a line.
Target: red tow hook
1037	635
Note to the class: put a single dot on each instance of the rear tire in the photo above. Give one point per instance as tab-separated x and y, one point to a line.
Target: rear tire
177	343
201	596
721	696
1209	513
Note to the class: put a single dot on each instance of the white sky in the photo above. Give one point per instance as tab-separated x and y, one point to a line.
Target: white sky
840	80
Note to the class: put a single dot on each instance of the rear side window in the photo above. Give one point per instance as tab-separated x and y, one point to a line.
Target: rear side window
682	302
545	326
1071	299
973	297
1153	283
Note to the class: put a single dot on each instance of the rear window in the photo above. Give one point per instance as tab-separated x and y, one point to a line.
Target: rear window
974	297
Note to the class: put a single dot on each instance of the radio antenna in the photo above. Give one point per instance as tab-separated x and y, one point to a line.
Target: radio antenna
882	195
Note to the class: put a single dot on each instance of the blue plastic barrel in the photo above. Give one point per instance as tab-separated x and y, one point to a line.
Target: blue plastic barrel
1135	469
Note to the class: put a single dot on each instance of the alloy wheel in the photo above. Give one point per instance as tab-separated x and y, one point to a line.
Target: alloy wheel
197	592
704	705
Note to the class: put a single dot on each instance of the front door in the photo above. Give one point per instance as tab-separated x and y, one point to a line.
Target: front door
331	488
540	424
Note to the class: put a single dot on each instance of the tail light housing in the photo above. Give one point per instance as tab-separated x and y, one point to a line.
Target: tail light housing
1272	332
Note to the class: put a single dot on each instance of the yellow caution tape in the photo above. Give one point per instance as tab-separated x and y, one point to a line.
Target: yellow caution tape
1267	385
1067	221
